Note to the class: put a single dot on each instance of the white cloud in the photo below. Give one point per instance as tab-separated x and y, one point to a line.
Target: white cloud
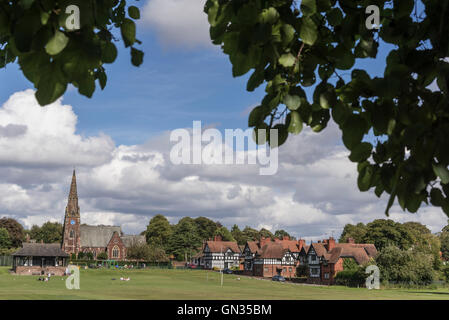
178	23
314	194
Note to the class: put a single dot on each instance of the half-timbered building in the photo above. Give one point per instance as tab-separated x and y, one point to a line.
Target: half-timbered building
324	259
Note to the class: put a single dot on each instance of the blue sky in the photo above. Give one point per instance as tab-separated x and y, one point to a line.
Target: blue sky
119	142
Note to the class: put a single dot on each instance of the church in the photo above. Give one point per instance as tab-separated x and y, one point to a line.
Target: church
84	238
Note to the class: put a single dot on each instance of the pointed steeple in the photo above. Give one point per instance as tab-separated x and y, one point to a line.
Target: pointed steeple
72	208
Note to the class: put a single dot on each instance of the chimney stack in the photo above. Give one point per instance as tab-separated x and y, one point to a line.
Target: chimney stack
218	238
350	240
330	244
301	243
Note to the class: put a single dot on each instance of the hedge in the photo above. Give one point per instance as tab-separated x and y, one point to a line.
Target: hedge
351	278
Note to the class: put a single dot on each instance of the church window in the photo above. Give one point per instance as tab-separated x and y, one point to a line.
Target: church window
115	252
71	234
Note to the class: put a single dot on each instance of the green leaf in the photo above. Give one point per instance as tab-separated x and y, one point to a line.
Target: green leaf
57	43
108	52
287	60
361	152
365	178
256	116
136	57
128	30
269	15
292	101
442	172
134	12
308	31
52	85
354	129
308	7
295	126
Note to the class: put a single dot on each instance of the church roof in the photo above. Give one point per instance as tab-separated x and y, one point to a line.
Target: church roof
97	236
41	250
129	239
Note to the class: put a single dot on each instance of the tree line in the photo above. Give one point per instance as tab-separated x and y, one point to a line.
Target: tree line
408	253
180	241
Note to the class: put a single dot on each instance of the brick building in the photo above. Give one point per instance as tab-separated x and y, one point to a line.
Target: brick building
40	258
324	259
84	238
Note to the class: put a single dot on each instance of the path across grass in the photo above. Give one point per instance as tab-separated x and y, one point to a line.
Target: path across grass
185	285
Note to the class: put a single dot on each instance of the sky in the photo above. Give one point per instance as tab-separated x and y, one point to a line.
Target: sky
119	143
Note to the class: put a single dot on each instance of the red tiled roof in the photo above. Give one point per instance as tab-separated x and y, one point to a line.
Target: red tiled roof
253	246
223	246
272	250
361	252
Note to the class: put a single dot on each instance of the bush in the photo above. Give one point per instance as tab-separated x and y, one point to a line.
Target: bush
73	256
302	271
80	255
90	256
405	266
351	278
102	256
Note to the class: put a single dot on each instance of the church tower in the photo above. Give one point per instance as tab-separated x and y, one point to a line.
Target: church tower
71	241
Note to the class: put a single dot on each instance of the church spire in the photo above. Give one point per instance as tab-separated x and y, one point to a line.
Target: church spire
72	208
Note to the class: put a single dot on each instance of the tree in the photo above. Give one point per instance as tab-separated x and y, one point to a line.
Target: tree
288	42
224	233
384	232
53	51
138	251
444	240
251	234
102	256
5	241
405	266
50	232
238	235
185	240
356	232
265	233
281	234
158	231
15	231
206	227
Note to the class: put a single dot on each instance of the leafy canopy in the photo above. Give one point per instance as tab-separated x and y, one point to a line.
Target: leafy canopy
51	55
289	46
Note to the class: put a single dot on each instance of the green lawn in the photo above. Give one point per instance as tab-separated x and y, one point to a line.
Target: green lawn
187	284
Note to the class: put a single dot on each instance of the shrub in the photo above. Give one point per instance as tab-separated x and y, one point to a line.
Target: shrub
102	256
302	271
73	256
405	266
90	256
351	278
80	255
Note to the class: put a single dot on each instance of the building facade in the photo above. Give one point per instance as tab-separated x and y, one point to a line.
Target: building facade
84	238
324	259
221	254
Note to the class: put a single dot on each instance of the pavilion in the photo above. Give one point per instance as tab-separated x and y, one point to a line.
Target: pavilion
40	258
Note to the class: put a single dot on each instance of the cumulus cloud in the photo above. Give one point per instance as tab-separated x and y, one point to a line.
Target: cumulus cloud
178	23
313	195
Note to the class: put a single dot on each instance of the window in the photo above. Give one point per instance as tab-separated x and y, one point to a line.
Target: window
71	234
290	269
313	257
314	271
326	275
115	252
265	269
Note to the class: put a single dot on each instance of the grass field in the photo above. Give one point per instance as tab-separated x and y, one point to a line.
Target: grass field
185	285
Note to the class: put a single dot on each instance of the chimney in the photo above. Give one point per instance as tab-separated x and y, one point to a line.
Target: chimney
330	244
285	238
301	243
27	238
350	240
264	241
42	241
218	238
